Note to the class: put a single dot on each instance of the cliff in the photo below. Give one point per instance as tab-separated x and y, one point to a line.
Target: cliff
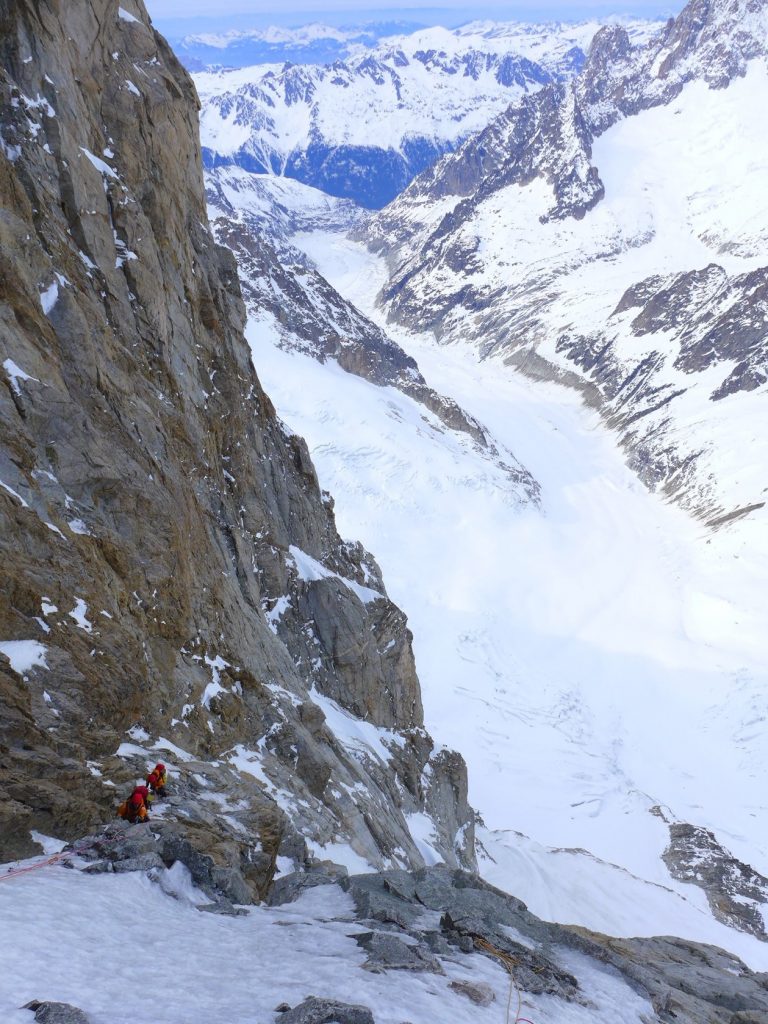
173	582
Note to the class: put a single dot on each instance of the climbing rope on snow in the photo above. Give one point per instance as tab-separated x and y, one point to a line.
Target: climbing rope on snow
76	848
510	963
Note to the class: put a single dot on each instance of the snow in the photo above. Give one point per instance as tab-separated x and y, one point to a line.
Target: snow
24	654
14	494
590	662
14	373
340	853
214	688
79	527
422	830
355	734
79	614
131	87
680	196
235	970
98	163
126	15
310	569
49	844
49	298
163	744
272	112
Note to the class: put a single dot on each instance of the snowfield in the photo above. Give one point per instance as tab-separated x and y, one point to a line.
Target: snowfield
592	663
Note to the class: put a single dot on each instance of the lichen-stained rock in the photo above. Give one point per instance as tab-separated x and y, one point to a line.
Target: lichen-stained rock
156	519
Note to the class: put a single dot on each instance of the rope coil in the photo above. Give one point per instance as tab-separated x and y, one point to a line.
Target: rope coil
509	962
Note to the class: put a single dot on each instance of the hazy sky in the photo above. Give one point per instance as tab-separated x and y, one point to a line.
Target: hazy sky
300	11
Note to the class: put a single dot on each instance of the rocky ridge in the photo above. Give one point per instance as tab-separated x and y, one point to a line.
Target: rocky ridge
174	584
511	224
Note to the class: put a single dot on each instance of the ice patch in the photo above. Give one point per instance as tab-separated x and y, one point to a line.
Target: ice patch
422	830
274	615
214	688
14	494
49	844
355	734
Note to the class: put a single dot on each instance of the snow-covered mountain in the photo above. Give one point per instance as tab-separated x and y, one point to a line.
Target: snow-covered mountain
174	584
359	129
558	46
315	43
363	127
611	233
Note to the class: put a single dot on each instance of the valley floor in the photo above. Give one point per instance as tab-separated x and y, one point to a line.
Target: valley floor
592	660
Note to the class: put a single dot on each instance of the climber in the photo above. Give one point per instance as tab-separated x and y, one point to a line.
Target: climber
158	779
136	807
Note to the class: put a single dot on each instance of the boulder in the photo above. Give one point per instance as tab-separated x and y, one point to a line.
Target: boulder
326	1011
56	1013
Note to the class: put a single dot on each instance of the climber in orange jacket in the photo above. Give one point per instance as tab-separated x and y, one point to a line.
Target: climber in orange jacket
158	779
136	807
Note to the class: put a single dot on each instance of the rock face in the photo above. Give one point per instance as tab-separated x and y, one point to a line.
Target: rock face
586	237
326	1011
170	566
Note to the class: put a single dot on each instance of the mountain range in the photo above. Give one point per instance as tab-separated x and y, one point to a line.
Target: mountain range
363	127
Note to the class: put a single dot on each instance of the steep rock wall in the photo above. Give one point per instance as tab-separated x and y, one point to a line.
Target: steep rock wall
170	566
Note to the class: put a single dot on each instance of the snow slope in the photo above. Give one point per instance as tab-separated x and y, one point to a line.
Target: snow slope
592	663
126	953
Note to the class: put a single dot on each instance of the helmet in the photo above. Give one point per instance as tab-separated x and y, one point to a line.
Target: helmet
142	791
159	767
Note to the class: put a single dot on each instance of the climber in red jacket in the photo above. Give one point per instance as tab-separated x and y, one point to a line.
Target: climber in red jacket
136	807
158	779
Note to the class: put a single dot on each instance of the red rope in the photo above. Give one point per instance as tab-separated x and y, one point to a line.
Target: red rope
50	861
